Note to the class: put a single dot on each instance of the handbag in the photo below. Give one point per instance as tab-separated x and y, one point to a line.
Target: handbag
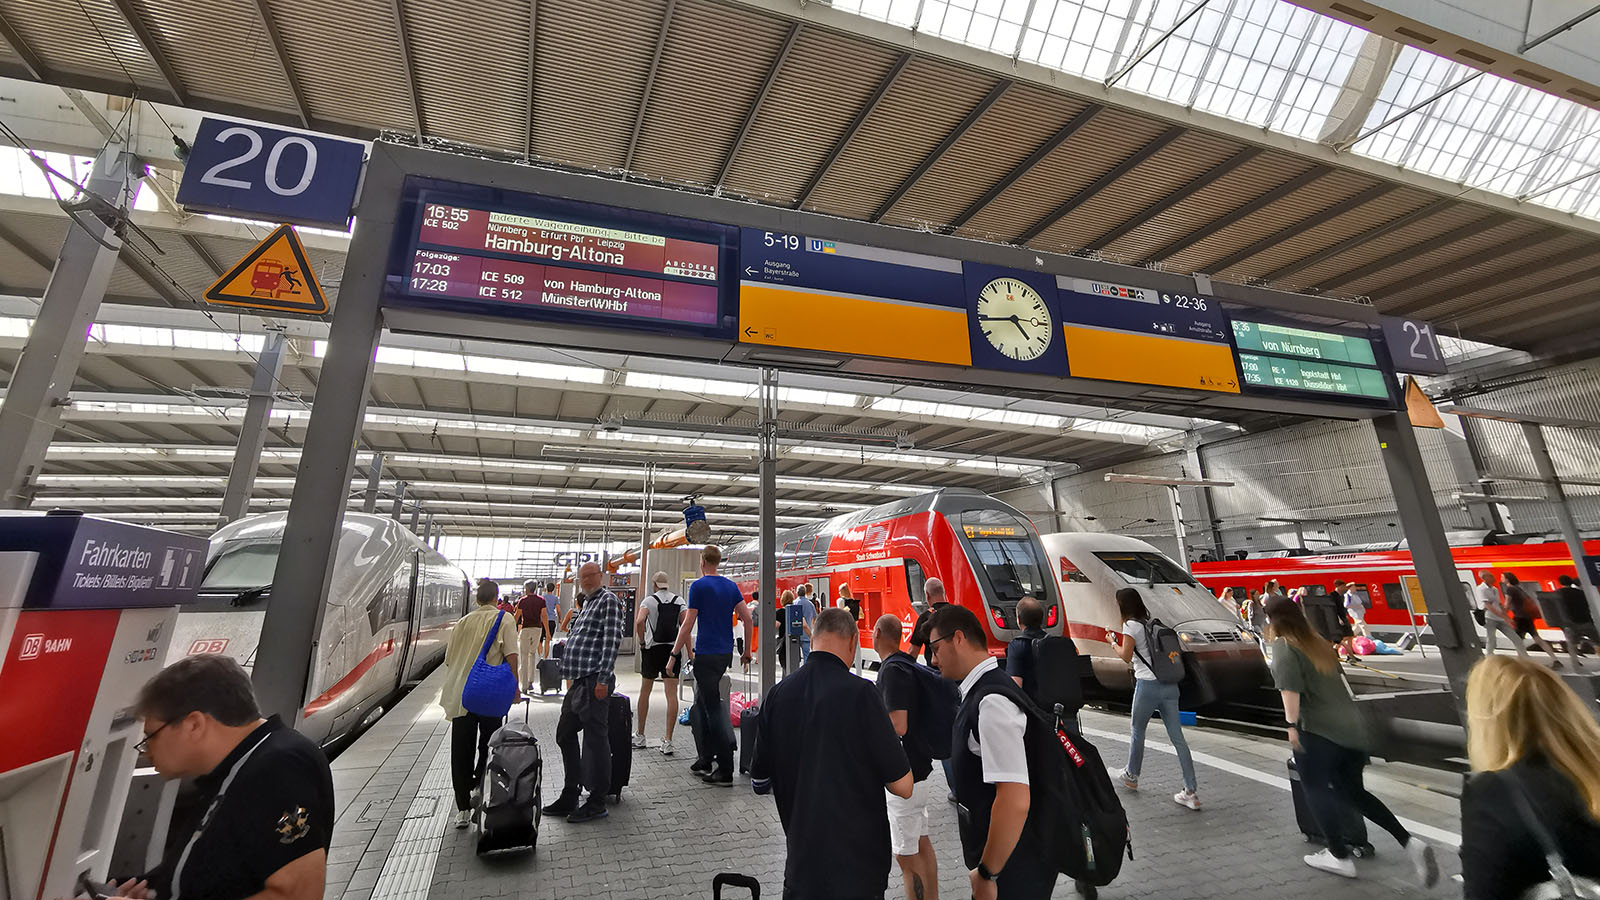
1563	885
490	690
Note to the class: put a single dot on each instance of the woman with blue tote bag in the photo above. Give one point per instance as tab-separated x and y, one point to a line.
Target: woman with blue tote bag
480	684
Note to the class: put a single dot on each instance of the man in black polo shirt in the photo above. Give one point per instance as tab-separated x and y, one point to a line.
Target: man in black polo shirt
826	750
266	794
933	590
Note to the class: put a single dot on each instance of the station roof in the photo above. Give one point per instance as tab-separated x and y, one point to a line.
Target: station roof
814	107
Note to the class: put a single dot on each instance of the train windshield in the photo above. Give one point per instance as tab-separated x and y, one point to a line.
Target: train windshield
1011	566
241	566
1146	568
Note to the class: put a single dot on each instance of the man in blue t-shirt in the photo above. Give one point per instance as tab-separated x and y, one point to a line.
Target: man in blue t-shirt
807	611
713	602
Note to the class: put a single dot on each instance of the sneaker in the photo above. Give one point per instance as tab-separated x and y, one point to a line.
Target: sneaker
638	742
564	805
700	767
1423	860
463	818
1128	781
666	748
719	778
1327	862
1187	798
588	812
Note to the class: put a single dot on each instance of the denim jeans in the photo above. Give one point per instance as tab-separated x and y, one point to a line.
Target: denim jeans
708	671
1150	697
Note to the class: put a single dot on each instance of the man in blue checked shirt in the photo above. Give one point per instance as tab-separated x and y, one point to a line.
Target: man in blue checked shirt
589	663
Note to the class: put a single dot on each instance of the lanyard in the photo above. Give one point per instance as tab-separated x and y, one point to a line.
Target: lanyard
205	820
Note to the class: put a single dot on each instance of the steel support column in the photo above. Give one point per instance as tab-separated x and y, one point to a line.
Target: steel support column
427	529
416	516
644	531
374	477
1534	433
399	500
1193	461
293	623
1178	531
1450	615
253	431
768	477
43	378
1469	435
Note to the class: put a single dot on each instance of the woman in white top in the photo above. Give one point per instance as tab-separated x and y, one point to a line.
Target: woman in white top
1149	696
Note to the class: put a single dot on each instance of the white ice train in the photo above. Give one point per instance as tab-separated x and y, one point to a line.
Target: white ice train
1226	662
389	609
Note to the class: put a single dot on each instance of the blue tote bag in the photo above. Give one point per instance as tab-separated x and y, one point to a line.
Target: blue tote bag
490	690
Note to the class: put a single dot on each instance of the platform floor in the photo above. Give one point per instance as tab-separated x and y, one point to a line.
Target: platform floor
671	834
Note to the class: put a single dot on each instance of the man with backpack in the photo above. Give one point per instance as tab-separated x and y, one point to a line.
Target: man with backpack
922	709
1034	800
933	591
656	626
1522	609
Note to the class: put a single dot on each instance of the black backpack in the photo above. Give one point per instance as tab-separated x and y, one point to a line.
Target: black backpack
668	610
934	718
1074	816
1166	657
1058	673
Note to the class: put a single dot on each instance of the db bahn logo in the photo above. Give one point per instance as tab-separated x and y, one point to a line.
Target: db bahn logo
34	645
208	645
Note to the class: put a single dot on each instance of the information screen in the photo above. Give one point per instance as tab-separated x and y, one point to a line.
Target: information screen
556	264
1301	359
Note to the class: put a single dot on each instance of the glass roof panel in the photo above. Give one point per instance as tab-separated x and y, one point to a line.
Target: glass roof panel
1274	65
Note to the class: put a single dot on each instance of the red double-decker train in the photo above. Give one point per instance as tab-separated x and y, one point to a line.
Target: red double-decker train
1388	577
986	553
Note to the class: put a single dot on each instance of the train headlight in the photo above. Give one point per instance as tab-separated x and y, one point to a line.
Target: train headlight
1191	637
1050	618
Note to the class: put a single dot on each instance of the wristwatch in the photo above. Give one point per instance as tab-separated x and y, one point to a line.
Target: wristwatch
985	874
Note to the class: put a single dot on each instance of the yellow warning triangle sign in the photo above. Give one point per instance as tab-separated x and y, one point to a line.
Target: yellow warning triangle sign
275	276
1421	410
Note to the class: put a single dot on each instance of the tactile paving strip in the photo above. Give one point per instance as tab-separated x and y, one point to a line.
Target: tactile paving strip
408	872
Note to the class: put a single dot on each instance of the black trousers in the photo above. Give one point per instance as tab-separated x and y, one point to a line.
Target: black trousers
719	740
1028	875
582	714
1330	775
469	753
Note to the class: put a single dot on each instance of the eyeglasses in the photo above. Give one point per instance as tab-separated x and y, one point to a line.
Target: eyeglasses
932	641
144	745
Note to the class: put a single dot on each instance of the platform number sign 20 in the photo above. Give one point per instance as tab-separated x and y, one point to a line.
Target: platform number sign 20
1414	346
244	169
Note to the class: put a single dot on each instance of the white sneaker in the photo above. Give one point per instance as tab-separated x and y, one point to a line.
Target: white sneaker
666	748
1423	860
1327	862
1128	781
638	742
1187	798
463	818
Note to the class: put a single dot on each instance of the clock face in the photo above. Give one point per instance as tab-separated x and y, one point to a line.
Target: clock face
1014	319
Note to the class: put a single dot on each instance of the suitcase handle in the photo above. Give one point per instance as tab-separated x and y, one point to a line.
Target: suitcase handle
737	880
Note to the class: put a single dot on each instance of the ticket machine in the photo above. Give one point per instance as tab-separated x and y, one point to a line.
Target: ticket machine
87	607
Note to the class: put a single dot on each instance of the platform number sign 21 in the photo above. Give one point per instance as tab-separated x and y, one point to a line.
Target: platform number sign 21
244	169
1413	345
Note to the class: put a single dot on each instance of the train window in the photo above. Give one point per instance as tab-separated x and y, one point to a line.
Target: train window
1012	569
1360	593
241	566
379	610
1146	568
1071	573
915	581
1394	597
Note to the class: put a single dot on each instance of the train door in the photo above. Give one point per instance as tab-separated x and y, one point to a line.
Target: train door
408	619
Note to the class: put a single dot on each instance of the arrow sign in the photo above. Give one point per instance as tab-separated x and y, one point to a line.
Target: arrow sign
750	271
749	332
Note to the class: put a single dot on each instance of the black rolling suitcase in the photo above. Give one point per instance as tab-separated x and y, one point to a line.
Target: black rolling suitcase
748	717
549	675
737	880
1355	829
620	734
512	791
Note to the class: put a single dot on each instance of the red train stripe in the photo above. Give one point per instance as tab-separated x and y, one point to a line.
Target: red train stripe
354	675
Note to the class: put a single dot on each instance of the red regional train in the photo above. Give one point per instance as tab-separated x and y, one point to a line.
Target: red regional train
986	552
1389	577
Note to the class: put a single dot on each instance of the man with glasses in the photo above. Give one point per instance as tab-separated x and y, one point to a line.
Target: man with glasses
265	808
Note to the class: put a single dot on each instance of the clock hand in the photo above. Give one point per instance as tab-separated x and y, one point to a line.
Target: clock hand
1017	322
984	318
